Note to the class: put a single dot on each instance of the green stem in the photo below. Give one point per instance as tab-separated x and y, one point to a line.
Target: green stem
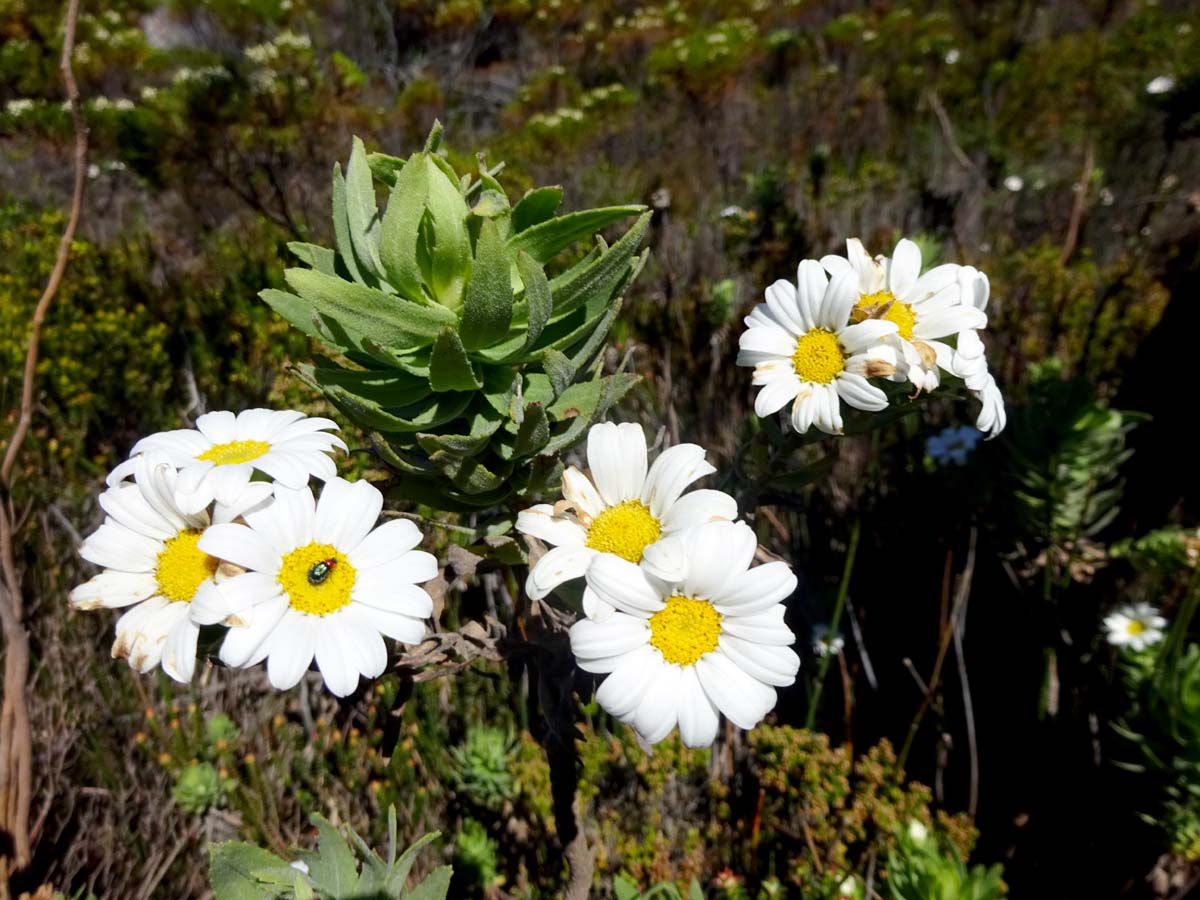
839	605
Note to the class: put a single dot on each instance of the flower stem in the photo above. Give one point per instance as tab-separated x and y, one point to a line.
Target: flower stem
840	604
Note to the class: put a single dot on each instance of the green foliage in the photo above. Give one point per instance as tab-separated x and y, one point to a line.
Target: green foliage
1066	451
241	871
920	870
482	766
472	365
624	889
1166	551
475	855
198	787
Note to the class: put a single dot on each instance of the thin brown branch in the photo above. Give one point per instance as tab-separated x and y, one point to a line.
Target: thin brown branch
1079	206
16	742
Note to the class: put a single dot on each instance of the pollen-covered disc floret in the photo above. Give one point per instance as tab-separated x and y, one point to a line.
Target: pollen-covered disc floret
623	507
321	581
811	346
149	550
217	459
938	315
1136	626
678	652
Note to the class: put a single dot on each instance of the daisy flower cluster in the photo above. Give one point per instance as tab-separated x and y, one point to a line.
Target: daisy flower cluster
218	526
676	617
850	322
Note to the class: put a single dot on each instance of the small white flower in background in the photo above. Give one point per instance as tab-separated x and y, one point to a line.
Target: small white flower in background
18	107
952	445
1136	626
622	507
924	307
806	351
1160	85
850	888
952	56
149	550
321	581
93	171
825	644
917	832
678	653
217	458
1014	183
1106	196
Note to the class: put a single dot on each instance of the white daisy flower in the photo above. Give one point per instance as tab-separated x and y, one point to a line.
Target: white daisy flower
623	508
924	308
806	351
149	550
217	458
321	581
677	653
968	360
1136	626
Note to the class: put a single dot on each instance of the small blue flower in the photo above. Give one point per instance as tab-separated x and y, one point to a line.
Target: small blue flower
952	445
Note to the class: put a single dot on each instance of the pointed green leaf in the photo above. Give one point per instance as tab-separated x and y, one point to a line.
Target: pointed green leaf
450	247
546	239
230	868
558	369
302	888
534	432
538	301
332	868
449	367
341	226
488	300
480	428
490	205
576	285
586	354
536	207
385	389
435	887
320	258
385	168
421	416
362	210
695	892
399	873
401	228
469	475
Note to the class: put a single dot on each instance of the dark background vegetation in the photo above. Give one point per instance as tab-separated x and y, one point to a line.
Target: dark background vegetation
761	132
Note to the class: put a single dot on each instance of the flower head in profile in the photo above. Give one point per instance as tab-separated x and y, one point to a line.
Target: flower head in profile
1136	626
807	351
217	458
153	565
321	581
621	506
678	653
925	308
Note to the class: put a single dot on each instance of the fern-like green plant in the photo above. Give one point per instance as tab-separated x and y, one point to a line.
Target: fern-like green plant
920	870
481	766
472	365
241	871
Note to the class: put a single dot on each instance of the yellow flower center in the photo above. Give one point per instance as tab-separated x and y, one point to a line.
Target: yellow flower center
625	529
317	579
819	356
900	313
182	566
233	452
685	630
1135	627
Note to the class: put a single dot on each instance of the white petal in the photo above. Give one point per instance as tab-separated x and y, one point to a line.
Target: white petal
766	627
623	585
225	484
218	426
932	282
697	716
743	700
770	341
783	303
147	645
905	268
127	506
288	521
811	285
948	322
665	559
242	546
338	656
290	649
804	409
622	691
113	590
114	546
389	541
370	654
616	455
718	553
840	297
233	599
862	263
596	610
256	494
675	469
179	651
776	394
698	508
561	530
392	586
860	393
828	409
346	512
289	469
558	565
396	625
866	334
835	265
657	714
242	643
582	494
619	633
756	590
776	666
